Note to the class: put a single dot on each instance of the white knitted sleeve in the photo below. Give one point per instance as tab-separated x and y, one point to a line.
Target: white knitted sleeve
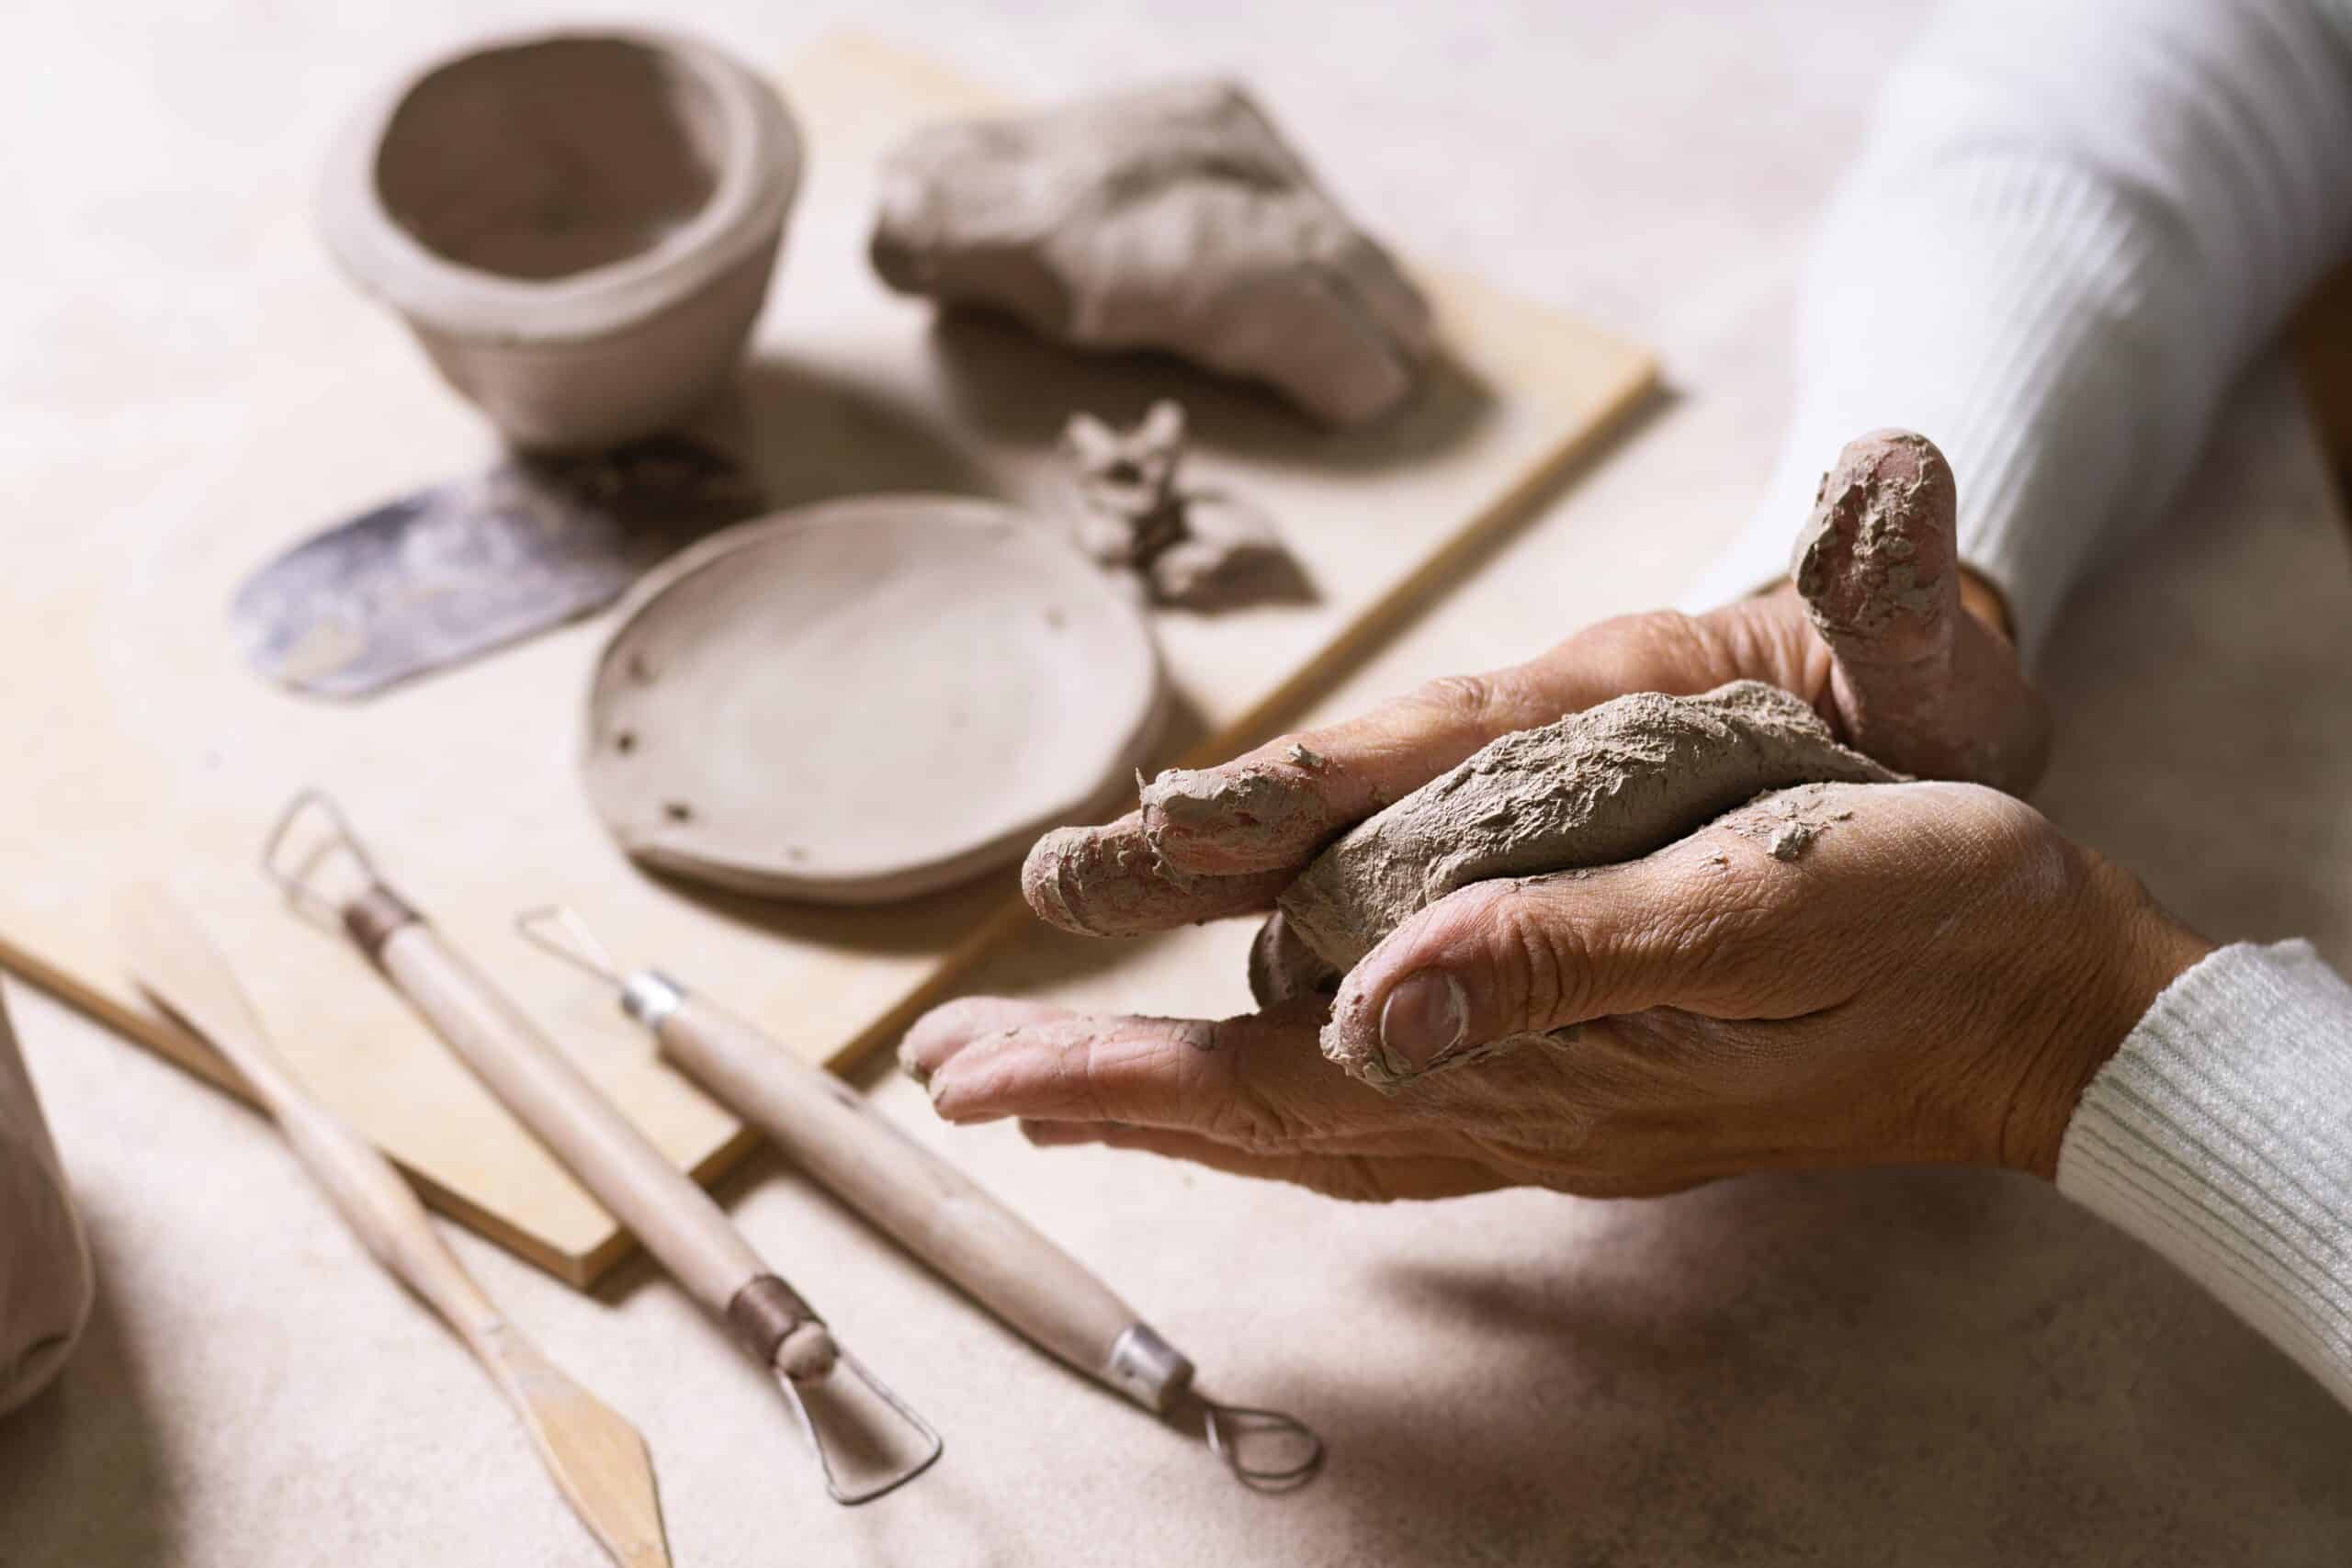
2071	228
2220	1134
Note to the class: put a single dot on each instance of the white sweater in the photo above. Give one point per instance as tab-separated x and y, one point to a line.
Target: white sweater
2074	224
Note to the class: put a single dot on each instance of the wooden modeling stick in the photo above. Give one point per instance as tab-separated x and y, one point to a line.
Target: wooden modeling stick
596	1458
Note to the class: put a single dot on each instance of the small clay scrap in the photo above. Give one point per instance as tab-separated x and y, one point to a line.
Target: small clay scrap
1173	217
1608	784
1200	548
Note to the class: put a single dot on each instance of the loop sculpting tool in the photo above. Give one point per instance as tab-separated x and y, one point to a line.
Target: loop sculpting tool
596	1458
936	1211
336	885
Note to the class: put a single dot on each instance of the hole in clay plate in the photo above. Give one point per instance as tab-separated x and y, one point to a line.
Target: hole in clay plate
678	811
550	158
625	742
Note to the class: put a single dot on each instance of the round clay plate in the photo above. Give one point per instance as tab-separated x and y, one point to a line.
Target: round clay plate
867	700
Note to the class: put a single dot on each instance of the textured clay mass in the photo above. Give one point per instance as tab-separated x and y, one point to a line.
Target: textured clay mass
1608	784
1174	217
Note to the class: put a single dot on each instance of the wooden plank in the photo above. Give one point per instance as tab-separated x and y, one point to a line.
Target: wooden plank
161	755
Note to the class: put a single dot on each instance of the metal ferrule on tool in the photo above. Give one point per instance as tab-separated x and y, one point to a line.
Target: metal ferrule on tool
1148	1369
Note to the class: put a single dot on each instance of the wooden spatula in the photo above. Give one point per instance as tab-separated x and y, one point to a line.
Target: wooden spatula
596	1458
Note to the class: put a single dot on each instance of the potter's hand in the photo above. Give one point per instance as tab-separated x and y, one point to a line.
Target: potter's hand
1881	632
1934	979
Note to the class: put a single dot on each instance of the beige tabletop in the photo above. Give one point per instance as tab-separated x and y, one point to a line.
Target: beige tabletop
1915	1367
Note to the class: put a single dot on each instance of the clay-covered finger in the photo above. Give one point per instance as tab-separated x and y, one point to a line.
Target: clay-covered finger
1259	1082
949	1027
1111	882
1920	684
1355	1177
1273	808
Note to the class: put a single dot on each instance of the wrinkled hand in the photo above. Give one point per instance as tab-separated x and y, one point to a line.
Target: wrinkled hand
1935	691
1934	980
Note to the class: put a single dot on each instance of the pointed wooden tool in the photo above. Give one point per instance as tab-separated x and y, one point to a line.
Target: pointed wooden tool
596	1458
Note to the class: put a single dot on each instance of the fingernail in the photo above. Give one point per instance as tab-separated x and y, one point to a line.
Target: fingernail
1424	1018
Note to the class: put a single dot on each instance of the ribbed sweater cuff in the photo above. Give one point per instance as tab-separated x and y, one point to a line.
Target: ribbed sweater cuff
2220	1134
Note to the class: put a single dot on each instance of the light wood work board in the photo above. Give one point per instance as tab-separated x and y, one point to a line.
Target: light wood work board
150	750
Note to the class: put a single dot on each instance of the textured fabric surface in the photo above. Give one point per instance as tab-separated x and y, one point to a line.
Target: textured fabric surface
1934	1368
2220	1134
2072	229
44	1267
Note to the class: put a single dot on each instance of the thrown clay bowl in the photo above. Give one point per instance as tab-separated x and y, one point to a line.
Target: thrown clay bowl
578	227
867	700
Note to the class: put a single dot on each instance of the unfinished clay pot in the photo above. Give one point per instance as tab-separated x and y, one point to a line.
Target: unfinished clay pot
867	700
578	227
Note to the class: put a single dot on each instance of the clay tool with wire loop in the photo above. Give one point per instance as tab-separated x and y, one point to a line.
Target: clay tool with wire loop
936	1211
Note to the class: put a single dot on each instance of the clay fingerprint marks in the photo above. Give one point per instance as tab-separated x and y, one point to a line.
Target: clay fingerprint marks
1202	549
1611	783
1173	217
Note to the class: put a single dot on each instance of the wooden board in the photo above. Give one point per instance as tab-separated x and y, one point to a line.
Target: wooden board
158	753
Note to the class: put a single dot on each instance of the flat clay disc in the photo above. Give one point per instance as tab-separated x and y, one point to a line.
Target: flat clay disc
867	700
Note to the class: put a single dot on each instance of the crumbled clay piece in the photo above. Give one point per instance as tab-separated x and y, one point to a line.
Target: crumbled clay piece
1227	552
1171	218
1202	549
1126	484
1604	785
1788	821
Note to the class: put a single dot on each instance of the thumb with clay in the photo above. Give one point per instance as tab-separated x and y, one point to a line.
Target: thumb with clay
1921	677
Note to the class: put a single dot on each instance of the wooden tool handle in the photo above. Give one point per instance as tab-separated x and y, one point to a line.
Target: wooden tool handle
676	1220
934	1210
385	1211
176	961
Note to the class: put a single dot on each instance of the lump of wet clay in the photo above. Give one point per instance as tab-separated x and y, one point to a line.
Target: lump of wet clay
1200	549
45	1286
1608	784
1172	218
